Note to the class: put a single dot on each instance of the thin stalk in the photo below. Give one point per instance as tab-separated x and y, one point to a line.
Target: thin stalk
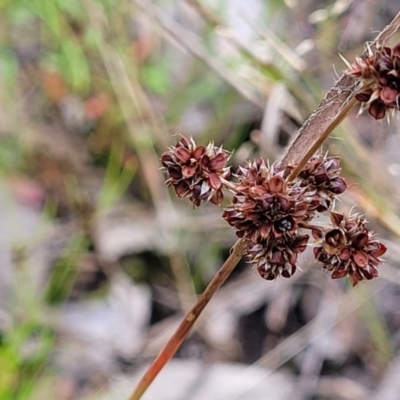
186	325
229	185
321	139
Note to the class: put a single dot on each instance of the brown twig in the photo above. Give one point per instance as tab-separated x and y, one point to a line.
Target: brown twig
332	110
185	326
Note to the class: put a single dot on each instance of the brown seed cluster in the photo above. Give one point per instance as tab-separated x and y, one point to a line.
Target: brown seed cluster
196	171
264	205
349	248
321	175
269	211
273	258
266	210
379	76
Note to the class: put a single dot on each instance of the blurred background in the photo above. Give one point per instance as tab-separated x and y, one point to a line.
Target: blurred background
98	260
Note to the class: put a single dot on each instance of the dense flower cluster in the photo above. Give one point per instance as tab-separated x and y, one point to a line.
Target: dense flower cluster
349	249
264	205
321	175
274	258
269	210
379	76
196	171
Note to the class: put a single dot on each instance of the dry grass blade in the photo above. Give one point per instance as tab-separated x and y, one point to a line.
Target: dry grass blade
184	328
128	93
278	45
191	43
228	33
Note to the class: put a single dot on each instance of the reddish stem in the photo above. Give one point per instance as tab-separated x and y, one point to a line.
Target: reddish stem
185	326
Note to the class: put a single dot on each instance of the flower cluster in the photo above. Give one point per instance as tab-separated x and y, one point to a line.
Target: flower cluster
196	171
269	210
322	176
379	77
265	205
273	258
266	211
349	248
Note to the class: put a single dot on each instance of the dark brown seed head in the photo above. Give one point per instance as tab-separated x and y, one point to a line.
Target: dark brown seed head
350	249
264	204
322	175
379	80
321	182
274	258
196	171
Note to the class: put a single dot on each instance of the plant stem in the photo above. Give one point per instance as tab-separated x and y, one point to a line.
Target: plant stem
229	185
321	139
185	326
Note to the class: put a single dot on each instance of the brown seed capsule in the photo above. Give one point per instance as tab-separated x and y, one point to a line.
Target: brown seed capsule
350	249
274	258
196	171
321	179
379	80
334	241
265	205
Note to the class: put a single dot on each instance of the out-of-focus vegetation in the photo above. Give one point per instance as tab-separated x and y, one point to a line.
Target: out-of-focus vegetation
91	93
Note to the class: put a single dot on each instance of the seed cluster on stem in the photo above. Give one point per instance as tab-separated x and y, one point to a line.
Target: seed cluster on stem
272	205
270	211
378	77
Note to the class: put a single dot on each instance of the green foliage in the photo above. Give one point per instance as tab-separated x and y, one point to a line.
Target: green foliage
118	176
11	155
24	351
64	272
156	79
9	67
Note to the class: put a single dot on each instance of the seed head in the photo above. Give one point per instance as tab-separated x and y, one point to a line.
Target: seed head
349	248
265	205
196	171
322	181
278	257
379	76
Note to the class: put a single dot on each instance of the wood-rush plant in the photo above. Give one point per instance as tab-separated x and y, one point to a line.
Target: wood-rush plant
273	205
